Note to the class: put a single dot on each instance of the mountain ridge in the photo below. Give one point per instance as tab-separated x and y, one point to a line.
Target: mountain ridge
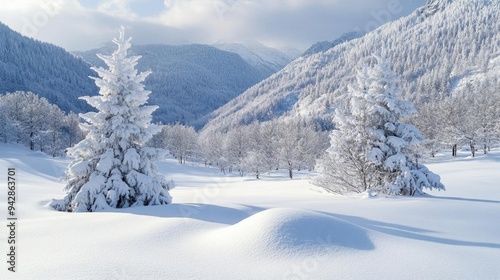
428	53
267	60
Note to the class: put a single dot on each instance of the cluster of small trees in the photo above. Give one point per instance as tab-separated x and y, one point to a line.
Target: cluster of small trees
30	120
470	116
256	148
180	140
260	147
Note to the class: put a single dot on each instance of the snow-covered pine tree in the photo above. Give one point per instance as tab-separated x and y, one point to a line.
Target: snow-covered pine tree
345	167
112	167
372	148
393	143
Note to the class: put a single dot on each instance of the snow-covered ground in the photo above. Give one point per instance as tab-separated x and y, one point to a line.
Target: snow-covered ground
228	227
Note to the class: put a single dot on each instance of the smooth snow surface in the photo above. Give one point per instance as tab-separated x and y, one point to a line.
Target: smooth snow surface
228	227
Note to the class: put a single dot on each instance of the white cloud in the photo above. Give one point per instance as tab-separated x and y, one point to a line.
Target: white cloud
117	8
281	23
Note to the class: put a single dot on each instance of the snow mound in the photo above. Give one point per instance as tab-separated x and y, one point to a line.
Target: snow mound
289	230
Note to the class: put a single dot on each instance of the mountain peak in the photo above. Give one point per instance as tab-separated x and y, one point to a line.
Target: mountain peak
266	59
433	6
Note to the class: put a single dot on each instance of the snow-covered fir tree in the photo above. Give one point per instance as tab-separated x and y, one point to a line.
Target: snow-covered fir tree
345	167
112	165
373	149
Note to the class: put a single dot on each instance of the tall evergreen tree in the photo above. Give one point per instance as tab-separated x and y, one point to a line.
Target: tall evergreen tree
345	167
393	143
373	148
112	165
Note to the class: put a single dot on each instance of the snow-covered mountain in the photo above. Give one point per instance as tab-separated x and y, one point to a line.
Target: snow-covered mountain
45	69
267	60
188	81
432	50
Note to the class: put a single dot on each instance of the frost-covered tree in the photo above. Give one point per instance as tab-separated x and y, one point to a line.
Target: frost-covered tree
72	129
393	142
7	127
53	137
112	166
236	147
211	144
255	160
345	167
383	148
312	144
288	137
180	140
268	146
33	123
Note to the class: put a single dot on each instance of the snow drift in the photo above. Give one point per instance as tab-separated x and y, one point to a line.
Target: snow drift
285	230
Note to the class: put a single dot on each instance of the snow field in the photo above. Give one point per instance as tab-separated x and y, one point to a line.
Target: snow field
229	227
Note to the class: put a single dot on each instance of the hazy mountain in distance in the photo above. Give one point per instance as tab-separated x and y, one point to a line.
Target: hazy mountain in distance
267	60
188	81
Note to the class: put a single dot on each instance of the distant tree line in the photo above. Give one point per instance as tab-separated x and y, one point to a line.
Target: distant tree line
253	149
28	119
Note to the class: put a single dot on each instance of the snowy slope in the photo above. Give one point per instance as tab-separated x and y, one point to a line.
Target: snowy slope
430	50
228	227
476	75
266	59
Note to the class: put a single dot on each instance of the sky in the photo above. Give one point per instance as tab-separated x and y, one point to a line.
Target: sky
283	24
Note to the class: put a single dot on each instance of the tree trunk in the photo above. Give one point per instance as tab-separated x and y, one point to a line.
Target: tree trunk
454	150
32	143
290	171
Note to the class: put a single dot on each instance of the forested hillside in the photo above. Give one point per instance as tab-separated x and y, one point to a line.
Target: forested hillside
45	69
